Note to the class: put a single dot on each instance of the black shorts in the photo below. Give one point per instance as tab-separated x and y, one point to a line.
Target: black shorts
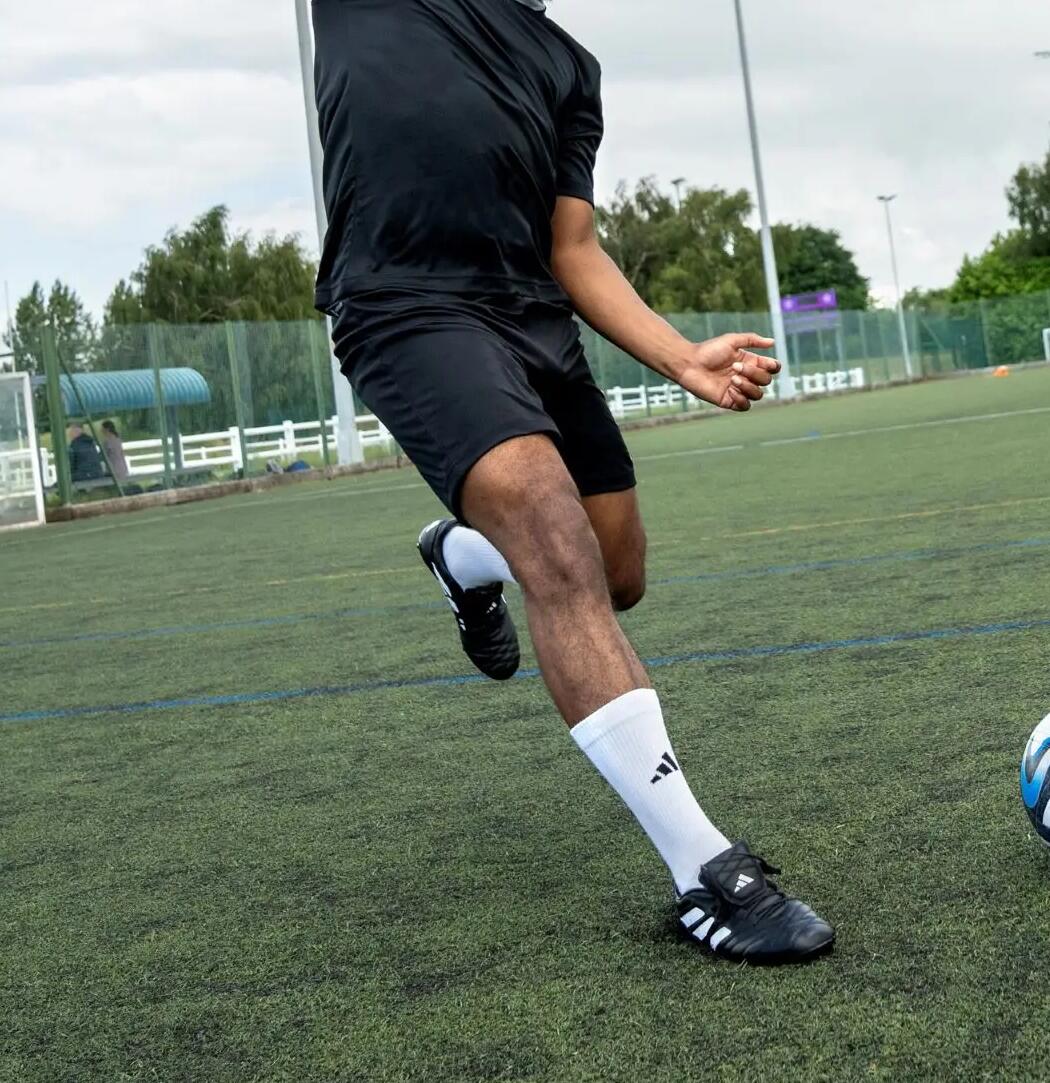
451	378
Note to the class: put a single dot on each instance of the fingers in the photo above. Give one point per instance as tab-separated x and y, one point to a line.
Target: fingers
743	386
749	341
753	369
743	342
738	400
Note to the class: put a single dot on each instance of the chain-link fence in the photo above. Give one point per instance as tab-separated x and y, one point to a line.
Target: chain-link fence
167	406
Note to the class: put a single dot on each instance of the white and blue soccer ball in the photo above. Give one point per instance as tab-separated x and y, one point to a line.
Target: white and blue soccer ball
1035	779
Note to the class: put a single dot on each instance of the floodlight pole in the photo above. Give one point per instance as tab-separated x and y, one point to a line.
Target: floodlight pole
886	201
769	258
348	444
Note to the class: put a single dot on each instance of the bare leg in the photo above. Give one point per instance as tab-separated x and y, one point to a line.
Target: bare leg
521	497
617	523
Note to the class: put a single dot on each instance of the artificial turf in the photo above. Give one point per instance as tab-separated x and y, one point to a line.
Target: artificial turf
356	873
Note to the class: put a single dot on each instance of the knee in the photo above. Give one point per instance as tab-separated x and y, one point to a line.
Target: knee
564	558
554	553
627	586
625	568
523	499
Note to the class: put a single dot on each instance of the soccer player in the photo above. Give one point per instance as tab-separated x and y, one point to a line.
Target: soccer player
460	139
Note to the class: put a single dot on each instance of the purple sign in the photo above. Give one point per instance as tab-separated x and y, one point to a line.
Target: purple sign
823	301
797	323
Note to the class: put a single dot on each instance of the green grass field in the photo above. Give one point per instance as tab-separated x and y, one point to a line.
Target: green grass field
252	827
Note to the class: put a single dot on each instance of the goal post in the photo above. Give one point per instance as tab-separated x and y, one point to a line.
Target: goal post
21	483
1046	343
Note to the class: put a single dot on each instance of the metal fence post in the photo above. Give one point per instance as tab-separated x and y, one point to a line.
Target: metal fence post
988	357
58	415
234	348
315	363
153	352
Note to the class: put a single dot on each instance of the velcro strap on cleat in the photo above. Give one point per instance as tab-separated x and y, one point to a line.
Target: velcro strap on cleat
737	875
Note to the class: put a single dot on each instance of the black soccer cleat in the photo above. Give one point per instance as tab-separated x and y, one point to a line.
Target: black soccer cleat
737	914
486	629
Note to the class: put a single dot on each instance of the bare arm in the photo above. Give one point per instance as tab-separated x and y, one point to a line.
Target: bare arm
722	371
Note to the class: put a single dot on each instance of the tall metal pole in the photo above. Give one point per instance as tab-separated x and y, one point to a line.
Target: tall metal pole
348	444
886	201
769	259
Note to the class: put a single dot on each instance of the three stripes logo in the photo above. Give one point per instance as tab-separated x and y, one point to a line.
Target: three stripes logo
667	767
743	881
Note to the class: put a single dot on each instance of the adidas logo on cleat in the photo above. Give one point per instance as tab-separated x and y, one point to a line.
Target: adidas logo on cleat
667	767
743	881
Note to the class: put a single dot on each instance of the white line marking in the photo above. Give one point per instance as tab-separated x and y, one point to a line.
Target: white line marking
814	437
692	451
191	509
126	521
791	440
909	425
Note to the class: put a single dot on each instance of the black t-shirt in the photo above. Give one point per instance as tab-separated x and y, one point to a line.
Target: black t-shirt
450	127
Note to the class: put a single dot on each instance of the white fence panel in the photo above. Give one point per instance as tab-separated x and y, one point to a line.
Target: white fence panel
291	440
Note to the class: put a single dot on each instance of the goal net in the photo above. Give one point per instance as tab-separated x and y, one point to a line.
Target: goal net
21	487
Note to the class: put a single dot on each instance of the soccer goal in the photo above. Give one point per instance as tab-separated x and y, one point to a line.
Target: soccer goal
21	486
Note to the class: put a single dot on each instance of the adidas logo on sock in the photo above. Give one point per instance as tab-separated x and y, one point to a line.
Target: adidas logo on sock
667	767
743	881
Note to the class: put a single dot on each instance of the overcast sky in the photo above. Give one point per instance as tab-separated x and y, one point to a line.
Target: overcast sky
121	118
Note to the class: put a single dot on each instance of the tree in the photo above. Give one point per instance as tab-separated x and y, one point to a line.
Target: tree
697	256
195	280
1001	272
1028	197
204	275
75	333
1016	262
935	300
702	255
810	259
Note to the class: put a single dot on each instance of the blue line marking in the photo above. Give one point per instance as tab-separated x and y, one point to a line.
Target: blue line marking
855	562
222	625
382	610
734	654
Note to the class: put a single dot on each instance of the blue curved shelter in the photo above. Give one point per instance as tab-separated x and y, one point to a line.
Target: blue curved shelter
132	389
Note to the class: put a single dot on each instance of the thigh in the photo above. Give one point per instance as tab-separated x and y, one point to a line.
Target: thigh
448	395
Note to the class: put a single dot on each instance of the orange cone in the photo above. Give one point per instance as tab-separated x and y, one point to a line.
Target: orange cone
1002	370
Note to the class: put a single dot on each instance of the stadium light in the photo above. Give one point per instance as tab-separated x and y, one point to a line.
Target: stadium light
886	201
676	184
348	444
769	259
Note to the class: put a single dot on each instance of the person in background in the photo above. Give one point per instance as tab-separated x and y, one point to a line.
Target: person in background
85	462
114	449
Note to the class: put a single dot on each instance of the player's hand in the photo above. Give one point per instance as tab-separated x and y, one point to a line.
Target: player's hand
724	372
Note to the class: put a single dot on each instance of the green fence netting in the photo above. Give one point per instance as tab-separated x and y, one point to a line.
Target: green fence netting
270	400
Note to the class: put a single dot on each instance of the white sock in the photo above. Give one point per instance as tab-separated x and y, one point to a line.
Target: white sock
473	560
627	741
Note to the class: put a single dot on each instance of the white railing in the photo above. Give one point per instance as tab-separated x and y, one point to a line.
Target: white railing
17	480
206	451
